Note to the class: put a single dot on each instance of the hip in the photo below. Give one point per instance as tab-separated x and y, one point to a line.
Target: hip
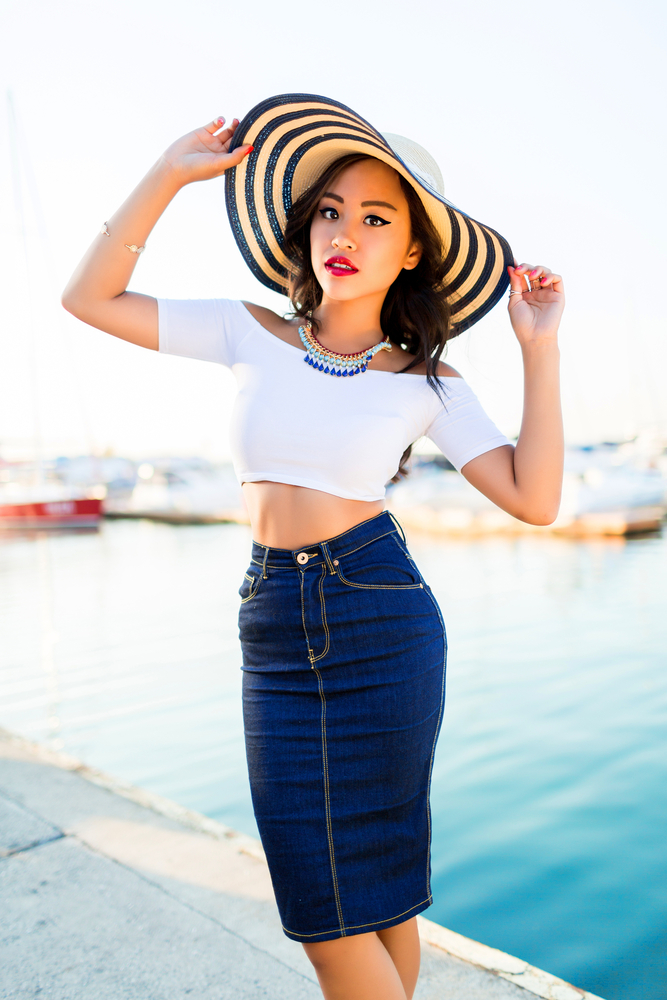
355	599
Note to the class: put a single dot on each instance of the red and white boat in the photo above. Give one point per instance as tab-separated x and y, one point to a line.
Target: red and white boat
27	498
48	507
80	513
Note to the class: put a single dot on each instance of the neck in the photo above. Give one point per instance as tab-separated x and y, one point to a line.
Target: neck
350	326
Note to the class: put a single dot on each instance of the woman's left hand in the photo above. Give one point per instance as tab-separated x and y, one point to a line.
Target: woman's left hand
535	313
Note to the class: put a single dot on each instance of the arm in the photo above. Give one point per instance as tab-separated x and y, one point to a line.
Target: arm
526	481
96	292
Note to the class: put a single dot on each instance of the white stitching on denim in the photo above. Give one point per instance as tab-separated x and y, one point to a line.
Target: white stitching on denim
303	619
251	579
341	555
323	612
435	738
379	586
356	927
325	761
325	550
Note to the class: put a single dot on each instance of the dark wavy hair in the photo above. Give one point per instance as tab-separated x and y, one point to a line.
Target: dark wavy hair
415	312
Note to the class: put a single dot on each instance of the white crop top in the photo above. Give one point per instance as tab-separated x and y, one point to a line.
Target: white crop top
292	424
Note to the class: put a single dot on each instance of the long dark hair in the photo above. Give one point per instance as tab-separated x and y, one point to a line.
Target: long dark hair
415	312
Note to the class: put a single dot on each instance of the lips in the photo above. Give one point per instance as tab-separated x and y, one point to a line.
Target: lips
340	266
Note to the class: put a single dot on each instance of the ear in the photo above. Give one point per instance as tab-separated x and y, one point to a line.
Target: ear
413	257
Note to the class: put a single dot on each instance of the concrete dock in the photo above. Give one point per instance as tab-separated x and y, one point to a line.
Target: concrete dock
109	892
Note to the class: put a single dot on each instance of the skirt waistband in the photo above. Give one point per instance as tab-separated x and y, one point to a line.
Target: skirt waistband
328	550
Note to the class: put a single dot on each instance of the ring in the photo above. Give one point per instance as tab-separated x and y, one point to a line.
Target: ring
515	293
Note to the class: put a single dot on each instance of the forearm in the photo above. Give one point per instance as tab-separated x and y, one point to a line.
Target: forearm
105	270
538	456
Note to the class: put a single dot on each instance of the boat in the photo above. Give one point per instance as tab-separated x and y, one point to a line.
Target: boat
72	512
605	492
30	495
181	491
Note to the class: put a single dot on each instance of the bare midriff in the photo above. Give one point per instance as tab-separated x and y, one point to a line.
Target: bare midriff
291	517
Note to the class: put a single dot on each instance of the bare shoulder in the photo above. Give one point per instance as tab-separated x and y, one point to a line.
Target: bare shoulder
444	370
275	324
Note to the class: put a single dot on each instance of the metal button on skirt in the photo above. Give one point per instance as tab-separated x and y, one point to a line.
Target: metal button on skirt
344	653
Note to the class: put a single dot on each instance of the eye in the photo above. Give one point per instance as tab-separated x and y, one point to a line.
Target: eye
375	220
329	213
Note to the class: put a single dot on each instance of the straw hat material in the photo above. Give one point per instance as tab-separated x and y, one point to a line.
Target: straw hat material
296	137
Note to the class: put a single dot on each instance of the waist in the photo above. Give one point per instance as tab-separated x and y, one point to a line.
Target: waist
328	549
288	516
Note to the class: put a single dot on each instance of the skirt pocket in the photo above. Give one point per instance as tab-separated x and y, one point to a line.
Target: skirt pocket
250	586
381	565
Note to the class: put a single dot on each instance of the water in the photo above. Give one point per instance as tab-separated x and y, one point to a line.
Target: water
549	804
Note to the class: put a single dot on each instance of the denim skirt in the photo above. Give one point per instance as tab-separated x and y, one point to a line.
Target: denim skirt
344	653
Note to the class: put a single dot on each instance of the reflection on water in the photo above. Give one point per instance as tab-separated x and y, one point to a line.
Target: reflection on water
549	806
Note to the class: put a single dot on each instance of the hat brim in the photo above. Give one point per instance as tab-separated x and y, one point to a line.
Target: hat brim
296	137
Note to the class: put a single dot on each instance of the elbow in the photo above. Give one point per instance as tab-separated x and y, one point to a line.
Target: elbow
69	301
542	519
543	516
77	306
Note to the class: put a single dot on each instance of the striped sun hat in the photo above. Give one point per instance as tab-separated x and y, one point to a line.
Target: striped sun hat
296	137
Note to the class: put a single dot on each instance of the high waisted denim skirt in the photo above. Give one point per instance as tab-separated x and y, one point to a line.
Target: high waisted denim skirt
343	689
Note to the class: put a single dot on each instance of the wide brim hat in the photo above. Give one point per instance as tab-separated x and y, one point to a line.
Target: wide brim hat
296	137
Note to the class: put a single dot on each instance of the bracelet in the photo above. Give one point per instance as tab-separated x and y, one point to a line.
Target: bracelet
130	246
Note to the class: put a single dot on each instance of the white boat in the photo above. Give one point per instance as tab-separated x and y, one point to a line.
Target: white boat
182	491
600	497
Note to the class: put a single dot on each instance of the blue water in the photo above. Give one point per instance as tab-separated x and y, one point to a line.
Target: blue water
549	787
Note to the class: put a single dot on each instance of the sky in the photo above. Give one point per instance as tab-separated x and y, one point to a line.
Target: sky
547	122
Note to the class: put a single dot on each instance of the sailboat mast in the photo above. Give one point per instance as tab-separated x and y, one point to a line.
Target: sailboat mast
38	440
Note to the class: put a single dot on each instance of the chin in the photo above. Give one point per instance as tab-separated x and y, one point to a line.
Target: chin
343	289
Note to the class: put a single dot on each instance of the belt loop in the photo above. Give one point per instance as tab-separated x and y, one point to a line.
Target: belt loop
400	529
265	575
327	556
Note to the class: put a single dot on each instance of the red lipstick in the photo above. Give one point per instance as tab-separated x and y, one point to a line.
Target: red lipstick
340	266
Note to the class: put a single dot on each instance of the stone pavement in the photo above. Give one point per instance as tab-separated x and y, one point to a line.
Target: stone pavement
108	892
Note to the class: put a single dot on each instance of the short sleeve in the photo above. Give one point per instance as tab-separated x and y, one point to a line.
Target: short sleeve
461	429
206	329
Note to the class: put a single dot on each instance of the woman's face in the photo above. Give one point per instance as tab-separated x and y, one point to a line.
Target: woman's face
360	234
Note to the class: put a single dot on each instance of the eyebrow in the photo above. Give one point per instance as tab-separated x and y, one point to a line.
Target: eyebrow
364	204
385	204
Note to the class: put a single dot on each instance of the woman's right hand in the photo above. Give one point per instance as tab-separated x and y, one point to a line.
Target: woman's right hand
97	291
201	155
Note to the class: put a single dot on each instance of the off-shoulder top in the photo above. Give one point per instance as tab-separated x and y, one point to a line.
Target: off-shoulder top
293	424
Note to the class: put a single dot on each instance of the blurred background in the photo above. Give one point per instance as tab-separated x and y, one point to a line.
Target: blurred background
123	537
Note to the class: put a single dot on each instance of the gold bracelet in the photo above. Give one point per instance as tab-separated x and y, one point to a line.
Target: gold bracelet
130	246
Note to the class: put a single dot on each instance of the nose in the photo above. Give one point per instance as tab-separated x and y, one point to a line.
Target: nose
343	242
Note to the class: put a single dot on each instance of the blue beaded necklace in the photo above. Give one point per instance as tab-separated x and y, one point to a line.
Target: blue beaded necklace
331	362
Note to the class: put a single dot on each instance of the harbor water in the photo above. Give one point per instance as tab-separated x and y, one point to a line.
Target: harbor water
549	788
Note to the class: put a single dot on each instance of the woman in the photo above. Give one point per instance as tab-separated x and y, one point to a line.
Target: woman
343	643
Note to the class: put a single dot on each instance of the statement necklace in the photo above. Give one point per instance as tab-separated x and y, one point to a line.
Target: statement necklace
330	362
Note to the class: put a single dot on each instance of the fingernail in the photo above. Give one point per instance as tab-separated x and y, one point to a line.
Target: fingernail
517	267
249	150
533	272
220	121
